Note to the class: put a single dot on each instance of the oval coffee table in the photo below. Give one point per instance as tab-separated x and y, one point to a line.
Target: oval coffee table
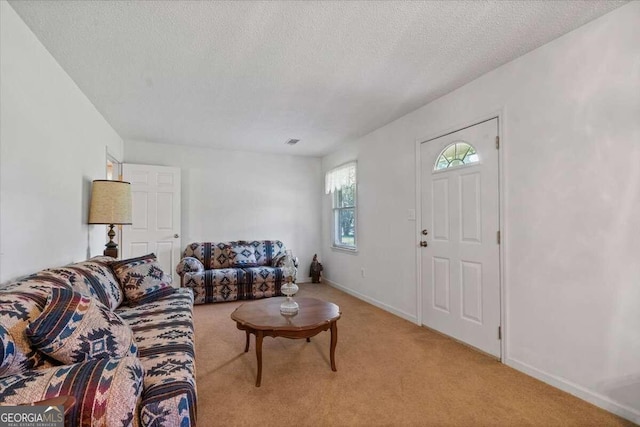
263	319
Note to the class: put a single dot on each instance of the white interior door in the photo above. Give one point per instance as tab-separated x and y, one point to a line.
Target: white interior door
155	227
460	265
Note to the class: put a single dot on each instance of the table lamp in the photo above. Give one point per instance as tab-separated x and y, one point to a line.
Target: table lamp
110	205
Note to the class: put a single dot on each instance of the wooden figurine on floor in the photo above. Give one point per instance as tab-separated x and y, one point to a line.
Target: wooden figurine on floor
316	269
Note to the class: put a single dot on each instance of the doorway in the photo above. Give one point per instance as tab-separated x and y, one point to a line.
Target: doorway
459	256
155	206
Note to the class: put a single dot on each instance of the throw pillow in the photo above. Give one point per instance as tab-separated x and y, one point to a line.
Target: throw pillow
74	328
100	267
242	256
142	279
91	278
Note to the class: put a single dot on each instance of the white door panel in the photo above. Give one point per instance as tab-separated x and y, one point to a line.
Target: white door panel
460	265
155	227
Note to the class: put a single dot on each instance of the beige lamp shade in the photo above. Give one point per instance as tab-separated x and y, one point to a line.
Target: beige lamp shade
110	202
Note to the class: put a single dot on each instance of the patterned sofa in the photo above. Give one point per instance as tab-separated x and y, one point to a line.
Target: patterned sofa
229	271
113	334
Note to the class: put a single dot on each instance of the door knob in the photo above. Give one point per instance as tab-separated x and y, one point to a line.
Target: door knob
423	243
425	232
175	236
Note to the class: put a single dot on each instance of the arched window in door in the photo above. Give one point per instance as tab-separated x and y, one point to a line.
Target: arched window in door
458	153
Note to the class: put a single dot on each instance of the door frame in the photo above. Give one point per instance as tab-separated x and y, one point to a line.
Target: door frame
117	176
502	250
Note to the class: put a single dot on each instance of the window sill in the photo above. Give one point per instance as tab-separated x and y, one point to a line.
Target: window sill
345	250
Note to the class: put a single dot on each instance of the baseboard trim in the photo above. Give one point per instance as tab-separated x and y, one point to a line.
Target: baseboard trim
590	396
411	318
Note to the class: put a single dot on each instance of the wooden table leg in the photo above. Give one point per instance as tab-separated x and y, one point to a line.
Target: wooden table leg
246	346
334	342
259	357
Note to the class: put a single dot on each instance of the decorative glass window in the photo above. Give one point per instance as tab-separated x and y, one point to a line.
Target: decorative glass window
341	182
457	154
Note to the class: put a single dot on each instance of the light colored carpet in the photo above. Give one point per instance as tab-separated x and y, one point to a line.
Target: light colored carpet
390	372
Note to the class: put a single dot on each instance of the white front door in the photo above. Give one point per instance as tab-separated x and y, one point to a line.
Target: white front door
460	266
155	227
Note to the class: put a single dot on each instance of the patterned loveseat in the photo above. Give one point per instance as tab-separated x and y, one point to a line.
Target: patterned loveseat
229	271
115	335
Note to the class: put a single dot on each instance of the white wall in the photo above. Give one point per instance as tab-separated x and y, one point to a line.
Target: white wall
236	195
52	145
571	152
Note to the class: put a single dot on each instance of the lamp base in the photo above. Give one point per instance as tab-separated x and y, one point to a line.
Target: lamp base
112	252
112	247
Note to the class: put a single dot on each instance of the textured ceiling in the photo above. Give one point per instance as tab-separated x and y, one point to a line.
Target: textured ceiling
251	75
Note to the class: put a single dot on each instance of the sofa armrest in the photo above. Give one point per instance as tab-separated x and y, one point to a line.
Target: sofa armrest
106	391
189	265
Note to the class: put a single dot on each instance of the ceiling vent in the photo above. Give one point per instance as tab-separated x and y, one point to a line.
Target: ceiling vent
292	141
